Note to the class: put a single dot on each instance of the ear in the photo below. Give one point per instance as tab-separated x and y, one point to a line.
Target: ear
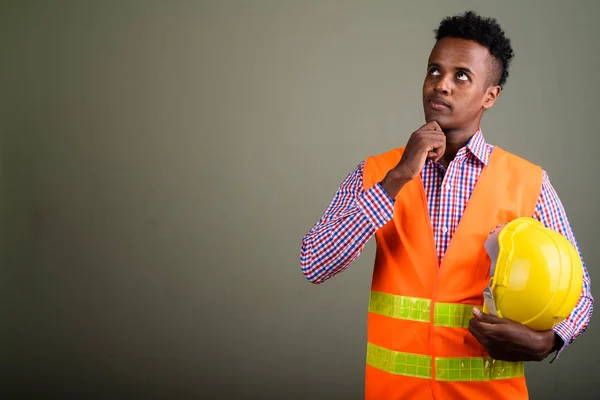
491	94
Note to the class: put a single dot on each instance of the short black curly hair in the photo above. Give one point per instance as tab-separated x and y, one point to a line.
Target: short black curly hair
485	31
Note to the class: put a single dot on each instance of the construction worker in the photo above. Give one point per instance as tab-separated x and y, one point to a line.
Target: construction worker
431	204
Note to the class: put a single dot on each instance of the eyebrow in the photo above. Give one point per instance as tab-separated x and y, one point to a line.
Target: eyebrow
464	69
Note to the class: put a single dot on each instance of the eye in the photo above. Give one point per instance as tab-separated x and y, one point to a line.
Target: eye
434	72
462	76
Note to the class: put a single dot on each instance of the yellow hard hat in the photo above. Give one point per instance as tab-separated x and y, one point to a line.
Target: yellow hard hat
536	274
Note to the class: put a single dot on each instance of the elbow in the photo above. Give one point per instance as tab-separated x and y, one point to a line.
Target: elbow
311	272
311	276
589	299
317	271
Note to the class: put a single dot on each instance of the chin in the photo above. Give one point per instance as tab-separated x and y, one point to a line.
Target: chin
443	121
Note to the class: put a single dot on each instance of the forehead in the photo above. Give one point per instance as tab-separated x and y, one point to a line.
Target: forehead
460	53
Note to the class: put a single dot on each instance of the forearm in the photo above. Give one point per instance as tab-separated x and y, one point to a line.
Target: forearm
393	182
332	247
339	237
551	213
578	320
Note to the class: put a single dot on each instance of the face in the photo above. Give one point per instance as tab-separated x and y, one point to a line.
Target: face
458	85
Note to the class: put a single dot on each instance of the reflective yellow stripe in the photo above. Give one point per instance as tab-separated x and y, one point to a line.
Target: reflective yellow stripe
446	369
418	309
476	369
397	363
453	315
402	307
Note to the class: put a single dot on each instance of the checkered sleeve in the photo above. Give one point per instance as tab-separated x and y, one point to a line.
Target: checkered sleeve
350	220
550	212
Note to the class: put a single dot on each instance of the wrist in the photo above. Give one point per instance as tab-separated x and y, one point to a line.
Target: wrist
558	342
547	342
394	181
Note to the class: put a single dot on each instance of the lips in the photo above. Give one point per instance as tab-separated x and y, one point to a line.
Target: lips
437	103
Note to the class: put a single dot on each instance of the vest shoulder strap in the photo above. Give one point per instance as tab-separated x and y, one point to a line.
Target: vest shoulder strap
526	173
522	170
377	166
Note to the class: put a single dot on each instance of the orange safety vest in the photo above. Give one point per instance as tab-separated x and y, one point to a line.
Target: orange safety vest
419	346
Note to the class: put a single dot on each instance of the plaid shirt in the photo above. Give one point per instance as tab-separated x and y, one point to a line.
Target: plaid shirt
354	215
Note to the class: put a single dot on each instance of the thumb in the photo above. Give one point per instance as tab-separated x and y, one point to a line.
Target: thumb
483	317
433	125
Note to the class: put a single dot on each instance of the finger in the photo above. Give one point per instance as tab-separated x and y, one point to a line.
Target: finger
482	330
432	132
439	148
478	326
434	140
485	318
476	330
433	125
436	154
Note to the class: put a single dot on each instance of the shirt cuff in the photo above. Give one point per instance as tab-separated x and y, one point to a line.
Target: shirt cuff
564	332
376	205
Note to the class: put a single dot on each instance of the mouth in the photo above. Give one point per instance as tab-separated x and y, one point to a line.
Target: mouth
437	104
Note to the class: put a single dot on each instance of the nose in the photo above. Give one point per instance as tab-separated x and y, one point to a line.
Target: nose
443	85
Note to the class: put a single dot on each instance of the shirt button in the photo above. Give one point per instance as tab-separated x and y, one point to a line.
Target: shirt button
444	229
448	186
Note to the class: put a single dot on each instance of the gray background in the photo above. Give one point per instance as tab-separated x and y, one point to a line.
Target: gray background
161	161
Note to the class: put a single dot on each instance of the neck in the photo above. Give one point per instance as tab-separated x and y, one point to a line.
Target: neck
456	139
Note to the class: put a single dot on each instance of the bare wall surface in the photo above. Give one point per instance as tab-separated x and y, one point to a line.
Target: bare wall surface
161	161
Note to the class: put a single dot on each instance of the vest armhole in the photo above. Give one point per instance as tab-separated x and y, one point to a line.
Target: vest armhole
367	174
377	166
529	173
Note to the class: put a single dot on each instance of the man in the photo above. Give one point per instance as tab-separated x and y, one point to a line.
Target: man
431	205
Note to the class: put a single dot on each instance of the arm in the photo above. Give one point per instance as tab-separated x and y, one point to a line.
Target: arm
352	218
511	341
354	215
550	212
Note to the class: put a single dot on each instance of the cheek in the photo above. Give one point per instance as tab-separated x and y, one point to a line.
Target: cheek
426	86
467	103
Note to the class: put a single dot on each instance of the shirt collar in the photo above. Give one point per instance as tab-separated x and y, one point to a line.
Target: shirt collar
477	146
